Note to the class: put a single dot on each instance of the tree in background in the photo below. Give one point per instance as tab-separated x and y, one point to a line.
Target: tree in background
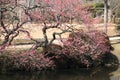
50	13
105	2
58	14
11	21
115	8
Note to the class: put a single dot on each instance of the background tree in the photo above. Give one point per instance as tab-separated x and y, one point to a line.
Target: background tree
50	13
105	3
58	14
105	15
11	23
115	9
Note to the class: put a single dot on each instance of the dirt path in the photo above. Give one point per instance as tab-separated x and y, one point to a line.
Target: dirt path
116	51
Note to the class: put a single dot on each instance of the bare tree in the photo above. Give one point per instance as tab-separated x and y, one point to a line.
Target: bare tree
50	13
10	21
115	9
57	14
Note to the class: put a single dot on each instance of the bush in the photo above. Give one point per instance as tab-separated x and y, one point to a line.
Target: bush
26	62
82	50
98	5
30	61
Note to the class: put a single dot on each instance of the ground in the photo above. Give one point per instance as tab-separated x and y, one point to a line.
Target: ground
116	50
35	30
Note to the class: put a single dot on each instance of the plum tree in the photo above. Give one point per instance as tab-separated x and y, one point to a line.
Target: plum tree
50	13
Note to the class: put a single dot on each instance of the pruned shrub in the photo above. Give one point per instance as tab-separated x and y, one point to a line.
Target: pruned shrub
26	62
82	49
31	60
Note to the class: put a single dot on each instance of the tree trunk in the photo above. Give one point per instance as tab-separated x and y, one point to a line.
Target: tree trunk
105	15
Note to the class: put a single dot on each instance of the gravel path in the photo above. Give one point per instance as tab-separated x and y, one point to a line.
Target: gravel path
114	38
